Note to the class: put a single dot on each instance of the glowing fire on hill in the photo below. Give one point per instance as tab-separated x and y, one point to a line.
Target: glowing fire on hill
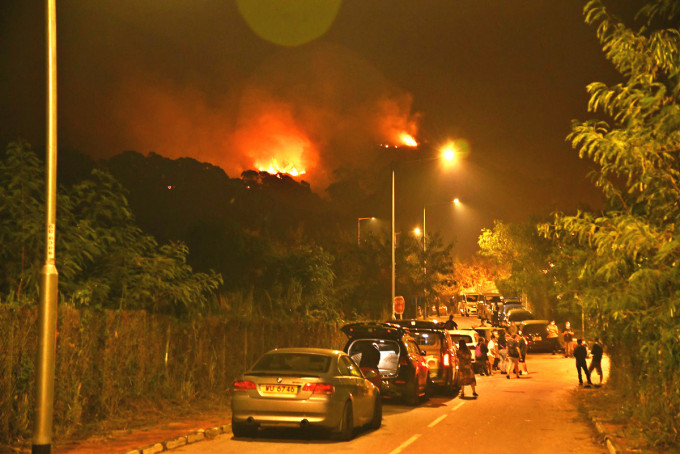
407	139
273	168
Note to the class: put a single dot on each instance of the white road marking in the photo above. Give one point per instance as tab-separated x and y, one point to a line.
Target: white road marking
457	406
436	421
402	446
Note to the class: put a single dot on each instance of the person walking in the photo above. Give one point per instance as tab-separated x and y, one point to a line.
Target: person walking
513	356
483	357
568	336
494	316
581	353
494	356
522	354
553	335
503	352
467	375
596	361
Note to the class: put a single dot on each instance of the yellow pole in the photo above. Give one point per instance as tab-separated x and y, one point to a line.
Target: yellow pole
47	322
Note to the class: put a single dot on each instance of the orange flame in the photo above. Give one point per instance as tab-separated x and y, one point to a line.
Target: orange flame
407	139
274	168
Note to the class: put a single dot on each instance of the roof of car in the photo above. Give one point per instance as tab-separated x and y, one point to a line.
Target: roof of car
535	322
318	351
467	332
419	324
374	330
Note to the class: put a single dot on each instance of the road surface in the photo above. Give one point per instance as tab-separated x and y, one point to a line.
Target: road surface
532	414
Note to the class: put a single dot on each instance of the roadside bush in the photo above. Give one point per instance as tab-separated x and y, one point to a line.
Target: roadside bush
111	362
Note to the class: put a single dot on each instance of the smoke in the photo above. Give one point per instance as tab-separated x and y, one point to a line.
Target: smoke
317	109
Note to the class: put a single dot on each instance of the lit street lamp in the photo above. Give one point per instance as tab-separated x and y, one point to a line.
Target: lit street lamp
449	154
359	228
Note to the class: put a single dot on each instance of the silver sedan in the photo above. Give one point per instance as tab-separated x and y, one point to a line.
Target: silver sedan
305	387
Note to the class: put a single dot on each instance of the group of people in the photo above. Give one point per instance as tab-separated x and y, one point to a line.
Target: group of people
501	353
507	353
578	352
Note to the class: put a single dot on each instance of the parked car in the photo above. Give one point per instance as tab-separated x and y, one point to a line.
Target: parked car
470	301
304	387
440	353
519	315
469	336
508	305
401	361
536	333
486	331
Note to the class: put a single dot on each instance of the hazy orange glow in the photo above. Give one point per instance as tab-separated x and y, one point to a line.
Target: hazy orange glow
275	143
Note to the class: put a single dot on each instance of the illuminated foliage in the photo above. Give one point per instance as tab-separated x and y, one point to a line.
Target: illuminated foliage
103	258
625	261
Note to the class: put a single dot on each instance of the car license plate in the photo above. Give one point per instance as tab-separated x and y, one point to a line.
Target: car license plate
538	338
279	389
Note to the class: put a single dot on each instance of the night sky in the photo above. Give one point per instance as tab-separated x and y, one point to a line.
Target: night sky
233	84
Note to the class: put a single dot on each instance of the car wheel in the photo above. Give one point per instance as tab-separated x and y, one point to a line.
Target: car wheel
241	430
345	430
376	422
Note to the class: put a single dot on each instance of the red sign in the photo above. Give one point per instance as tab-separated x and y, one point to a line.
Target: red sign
399	305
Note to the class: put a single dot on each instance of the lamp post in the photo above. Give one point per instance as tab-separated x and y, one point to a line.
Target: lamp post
448	153
359	228
41	440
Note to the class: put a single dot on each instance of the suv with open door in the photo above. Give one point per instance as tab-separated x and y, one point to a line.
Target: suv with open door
400	360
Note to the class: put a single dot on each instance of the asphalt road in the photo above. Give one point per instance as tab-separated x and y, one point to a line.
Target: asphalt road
532	414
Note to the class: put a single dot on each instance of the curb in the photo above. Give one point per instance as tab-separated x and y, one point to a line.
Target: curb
176	442
608	440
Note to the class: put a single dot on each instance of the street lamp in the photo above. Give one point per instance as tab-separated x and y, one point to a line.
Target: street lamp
359	228
448	153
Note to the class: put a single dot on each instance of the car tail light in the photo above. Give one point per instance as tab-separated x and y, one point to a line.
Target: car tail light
319	388
446	360
244	385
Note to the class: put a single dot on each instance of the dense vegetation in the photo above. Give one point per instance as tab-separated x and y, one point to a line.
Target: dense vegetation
259	245
621	266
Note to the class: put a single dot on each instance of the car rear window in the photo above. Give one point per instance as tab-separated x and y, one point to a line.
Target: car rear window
293	362
388	349
430	342
539	330
456	338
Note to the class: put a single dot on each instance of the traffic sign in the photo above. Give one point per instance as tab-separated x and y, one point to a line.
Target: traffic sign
399	305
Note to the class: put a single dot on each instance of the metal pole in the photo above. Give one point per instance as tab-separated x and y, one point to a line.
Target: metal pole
393	245
47	322
424	262
358	231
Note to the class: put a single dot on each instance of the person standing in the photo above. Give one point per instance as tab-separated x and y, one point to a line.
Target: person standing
467	375
503	352
494	317
553	335
450	323
581	353
513	356
596	361
568	336
494	356
523	354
